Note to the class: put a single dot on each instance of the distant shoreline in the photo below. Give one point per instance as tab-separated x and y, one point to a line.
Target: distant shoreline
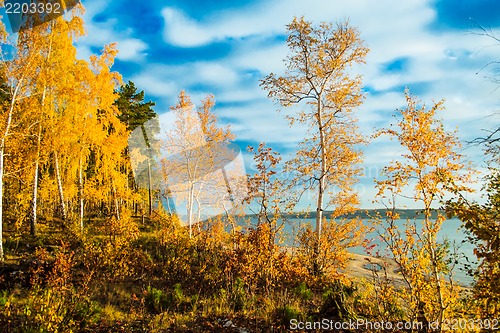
364	214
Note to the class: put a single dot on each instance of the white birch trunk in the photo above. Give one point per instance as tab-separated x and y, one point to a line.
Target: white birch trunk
322	181
115	200
80	193
190	209
33	219
60	188
6	131
34	204
150	194
34	198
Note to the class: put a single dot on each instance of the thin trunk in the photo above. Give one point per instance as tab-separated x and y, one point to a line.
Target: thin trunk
2	155
2	147
80	193
126	171
233	224
115	200
136	203
198	209
150	194
33	219
190	210
196	197
439	289
322	182
60	188
34	204
435	270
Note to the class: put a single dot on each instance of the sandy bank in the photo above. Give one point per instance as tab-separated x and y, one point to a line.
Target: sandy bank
360	266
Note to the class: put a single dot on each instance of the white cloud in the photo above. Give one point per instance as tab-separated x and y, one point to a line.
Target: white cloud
214	73
131	49
264	59
260	122
155	85
241	94
269	18
183	31
99	34
166	81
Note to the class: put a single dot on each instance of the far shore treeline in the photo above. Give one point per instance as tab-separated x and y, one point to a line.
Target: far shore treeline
365	214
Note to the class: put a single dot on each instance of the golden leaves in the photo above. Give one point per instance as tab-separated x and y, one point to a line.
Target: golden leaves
431	167
432	157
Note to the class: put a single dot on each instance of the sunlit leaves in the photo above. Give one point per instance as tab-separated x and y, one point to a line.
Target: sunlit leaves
197	151
430	168
318	75
482	222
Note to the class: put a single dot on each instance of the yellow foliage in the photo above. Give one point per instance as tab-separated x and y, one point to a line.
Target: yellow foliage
431	168
331	256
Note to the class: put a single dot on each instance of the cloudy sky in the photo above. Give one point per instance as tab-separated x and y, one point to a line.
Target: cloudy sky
226	47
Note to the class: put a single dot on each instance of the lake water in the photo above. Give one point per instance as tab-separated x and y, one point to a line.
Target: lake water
450	231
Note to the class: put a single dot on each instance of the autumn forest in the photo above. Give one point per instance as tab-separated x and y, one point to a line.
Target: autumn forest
111	222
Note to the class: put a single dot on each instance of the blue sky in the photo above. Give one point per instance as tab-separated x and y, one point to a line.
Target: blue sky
226	47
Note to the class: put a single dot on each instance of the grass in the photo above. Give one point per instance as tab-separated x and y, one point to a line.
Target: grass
157	280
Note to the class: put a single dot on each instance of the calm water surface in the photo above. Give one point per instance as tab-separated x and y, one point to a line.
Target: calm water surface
450	231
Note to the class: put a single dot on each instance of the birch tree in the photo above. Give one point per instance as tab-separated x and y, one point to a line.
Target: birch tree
55	60
431	167
110	159
17	73
198	151
318	79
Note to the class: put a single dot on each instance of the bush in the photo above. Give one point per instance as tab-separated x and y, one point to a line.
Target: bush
238	295
337	301
4	297
286	313
156	300
48	310
303	292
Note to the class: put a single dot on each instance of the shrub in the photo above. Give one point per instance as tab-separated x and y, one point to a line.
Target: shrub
238	295
337	301
156	300
48	310
286	313
303	292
